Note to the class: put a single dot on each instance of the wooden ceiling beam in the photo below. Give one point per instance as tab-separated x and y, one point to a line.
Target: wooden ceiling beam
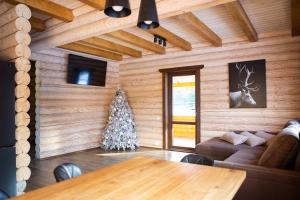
87	26
98	4
171	38
107	45
37	24
203	30
48	7
295	6
78	47
239	14
137	41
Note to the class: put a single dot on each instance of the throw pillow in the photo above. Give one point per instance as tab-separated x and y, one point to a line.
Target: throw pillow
292	122
267	136
234	138
253	140
293	130
281	153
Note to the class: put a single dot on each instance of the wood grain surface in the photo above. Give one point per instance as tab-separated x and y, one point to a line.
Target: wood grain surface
147	178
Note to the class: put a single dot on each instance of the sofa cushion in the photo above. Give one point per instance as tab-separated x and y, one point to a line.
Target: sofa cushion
253	140
234	138
218	149
293	130
281	153
267	136
247	156
292	122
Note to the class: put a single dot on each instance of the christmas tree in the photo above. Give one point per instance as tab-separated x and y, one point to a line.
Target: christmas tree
120	131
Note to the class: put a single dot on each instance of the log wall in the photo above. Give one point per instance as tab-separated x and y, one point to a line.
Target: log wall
14	41
68	117
143	83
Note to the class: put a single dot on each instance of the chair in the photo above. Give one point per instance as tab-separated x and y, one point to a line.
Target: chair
197	159
66	171
3	195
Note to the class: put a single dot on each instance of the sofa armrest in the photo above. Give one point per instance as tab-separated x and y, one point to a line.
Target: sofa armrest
264	173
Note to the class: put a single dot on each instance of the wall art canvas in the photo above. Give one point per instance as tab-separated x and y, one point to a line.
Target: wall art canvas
247	84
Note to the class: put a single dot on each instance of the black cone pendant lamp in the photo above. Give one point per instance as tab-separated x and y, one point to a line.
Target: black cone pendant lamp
117	8
148	18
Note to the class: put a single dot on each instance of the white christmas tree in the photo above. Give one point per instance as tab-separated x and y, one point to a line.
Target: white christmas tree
120	131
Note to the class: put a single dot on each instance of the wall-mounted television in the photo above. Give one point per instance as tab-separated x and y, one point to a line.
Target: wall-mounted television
86	71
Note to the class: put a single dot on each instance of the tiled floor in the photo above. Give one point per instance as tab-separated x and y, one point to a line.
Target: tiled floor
90	160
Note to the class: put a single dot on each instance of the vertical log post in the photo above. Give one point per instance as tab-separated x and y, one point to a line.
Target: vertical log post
14	47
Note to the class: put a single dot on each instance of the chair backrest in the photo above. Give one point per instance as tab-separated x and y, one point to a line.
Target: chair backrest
3	195
197	159
66	171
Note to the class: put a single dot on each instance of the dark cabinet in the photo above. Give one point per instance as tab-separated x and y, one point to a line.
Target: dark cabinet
7	129
8	170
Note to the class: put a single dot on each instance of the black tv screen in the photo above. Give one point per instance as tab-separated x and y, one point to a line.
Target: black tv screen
86	71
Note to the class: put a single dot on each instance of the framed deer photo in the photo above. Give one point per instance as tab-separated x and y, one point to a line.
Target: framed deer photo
247	84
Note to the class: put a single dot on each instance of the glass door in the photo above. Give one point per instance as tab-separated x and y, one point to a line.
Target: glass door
183	130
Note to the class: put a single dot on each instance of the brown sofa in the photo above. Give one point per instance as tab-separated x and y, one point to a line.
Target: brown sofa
262	183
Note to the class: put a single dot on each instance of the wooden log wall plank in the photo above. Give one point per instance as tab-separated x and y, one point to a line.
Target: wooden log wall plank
22	133
14	39
23	160
18	11
143	83
21	186
4	7
20	50
22	105
23	174
20	24
22	147
22	64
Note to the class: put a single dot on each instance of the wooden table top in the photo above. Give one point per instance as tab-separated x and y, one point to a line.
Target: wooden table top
146	178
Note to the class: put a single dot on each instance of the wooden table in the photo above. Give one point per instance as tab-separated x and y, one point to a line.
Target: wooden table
146	178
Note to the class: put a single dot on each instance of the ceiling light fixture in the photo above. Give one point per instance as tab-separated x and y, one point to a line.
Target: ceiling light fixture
117	8
148	18
160	40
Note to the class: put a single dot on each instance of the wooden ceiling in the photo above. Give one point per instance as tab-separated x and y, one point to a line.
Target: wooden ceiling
81	26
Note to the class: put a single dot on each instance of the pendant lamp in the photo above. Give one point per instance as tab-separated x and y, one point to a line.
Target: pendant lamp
117	8
148	18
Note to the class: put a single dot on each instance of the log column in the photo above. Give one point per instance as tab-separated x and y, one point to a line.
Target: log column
14	47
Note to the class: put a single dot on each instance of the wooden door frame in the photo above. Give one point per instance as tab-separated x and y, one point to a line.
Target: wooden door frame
167	98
